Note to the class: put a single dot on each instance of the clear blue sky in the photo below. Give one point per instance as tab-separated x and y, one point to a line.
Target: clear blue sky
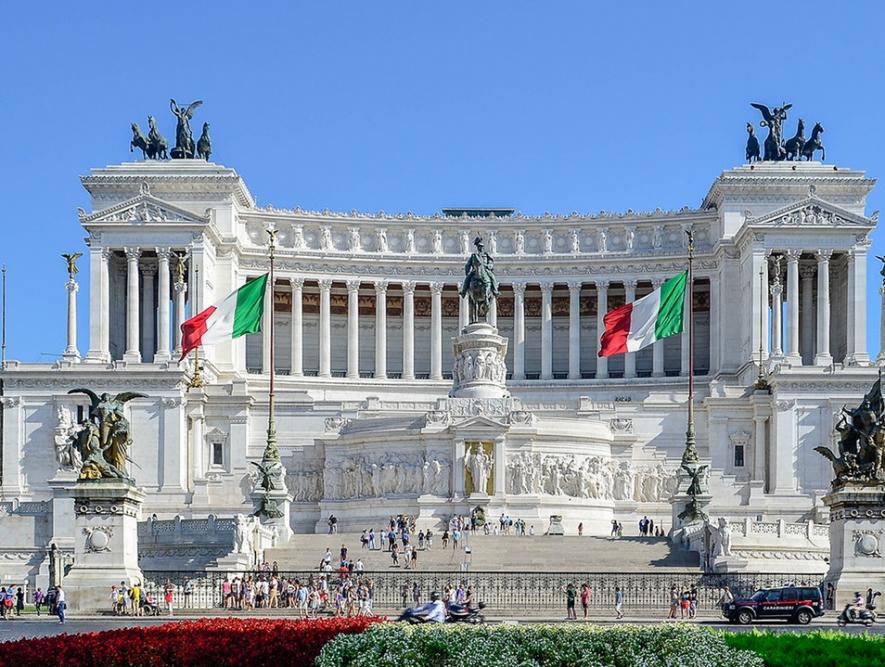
414	106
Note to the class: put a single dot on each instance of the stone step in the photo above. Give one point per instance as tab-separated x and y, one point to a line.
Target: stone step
498	552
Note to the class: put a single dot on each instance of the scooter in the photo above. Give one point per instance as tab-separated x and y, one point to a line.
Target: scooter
414	616
852	615
465	614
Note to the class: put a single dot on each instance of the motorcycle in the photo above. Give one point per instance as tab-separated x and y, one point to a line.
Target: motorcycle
852	615
466	614
414	616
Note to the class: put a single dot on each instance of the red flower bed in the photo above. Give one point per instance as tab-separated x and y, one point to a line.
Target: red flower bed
213	642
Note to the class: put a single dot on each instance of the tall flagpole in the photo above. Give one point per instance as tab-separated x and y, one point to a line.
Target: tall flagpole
3	348
197	378
690	455
271	453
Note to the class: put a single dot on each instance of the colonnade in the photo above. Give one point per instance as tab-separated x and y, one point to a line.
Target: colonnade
407	289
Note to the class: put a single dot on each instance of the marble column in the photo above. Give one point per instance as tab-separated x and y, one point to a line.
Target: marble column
463	312
71	353
180	293
148	272
574	330
630	357
105	307
325	328
133	353
715	325
381	329
98	302
163	255
546	331
297	333
880	359
822	355
759	461
793	355
776	290
806	340
408	330
519	331
436	331
353	328
266	315
601	310
856	351
657	348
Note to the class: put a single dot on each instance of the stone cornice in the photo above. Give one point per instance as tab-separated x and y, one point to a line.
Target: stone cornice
143	208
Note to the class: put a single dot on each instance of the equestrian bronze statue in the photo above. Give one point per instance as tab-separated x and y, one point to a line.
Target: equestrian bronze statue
480	284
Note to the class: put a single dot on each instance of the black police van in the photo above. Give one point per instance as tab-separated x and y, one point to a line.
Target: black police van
793	604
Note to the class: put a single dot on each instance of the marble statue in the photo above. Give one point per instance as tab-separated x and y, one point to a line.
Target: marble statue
242	530
724	537
479	464
67	454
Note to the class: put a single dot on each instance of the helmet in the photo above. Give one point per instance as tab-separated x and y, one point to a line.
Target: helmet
434	596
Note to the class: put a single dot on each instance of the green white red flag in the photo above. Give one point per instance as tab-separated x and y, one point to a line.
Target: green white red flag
636	325
237	315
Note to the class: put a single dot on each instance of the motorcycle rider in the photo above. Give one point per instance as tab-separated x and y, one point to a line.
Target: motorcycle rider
434	611
857	607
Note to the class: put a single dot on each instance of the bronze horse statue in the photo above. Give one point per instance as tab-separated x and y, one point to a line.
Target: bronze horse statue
139	141
814	144
794	146
157	143
752	144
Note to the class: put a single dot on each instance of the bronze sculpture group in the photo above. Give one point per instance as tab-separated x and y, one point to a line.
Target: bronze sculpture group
480	284
103	439
861	446
775	148
155	147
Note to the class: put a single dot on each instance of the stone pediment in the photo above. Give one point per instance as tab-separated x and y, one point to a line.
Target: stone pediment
479	423
143	209
812	212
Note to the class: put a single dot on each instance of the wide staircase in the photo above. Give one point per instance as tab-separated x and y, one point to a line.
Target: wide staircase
492	553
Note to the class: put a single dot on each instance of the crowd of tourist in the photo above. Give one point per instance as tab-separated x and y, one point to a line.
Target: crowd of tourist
309	597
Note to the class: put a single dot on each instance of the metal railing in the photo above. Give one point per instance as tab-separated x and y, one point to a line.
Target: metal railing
505	593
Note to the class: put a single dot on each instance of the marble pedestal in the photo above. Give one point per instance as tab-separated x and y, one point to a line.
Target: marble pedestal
857	540
106	514
682	529
479	369
556	525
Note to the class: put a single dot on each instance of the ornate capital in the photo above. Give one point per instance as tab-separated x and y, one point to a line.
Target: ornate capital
163	254
9	401
353	285
325	284
518	289
792	256
807	271
602	285
381	287
546	288
823	256
72	285
296	283
630	283
436	288
776	289
106	253
656	282
132	254
575	285
180	287
408	287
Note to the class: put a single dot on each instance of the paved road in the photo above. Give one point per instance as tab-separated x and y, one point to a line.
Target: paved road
20	628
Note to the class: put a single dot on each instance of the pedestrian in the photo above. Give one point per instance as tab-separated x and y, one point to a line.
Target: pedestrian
394	555
456	538
19	601
531	530
725	599
421	539
189	592
372	544
651	526
38	600
445	539
831	596
570	595
585	598
167	596
684	604
416	594
693	602
414	558
364	540
60	603
428	539
580	529
619	603
674	602
5	604
343	553
333	524
614	532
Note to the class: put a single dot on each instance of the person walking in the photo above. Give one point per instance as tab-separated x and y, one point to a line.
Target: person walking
428	539
725	599
38	600
394	555
19	601
445	539
619	603
167	596
674	602
693	602
414	558
581	529
60	603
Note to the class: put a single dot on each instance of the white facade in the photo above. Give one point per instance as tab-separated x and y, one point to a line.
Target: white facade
365	309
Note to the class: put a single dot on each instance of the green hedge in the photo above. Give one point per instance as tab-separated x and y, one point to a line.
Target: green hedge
395	645
824	648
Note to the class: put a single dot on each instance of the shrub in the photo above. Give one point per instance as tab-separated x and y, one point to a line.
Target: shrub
216	642
821	649
394	645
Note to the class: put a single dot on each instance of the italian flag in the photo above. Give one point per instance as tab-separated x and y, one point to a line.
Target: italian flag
636	325
237	315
